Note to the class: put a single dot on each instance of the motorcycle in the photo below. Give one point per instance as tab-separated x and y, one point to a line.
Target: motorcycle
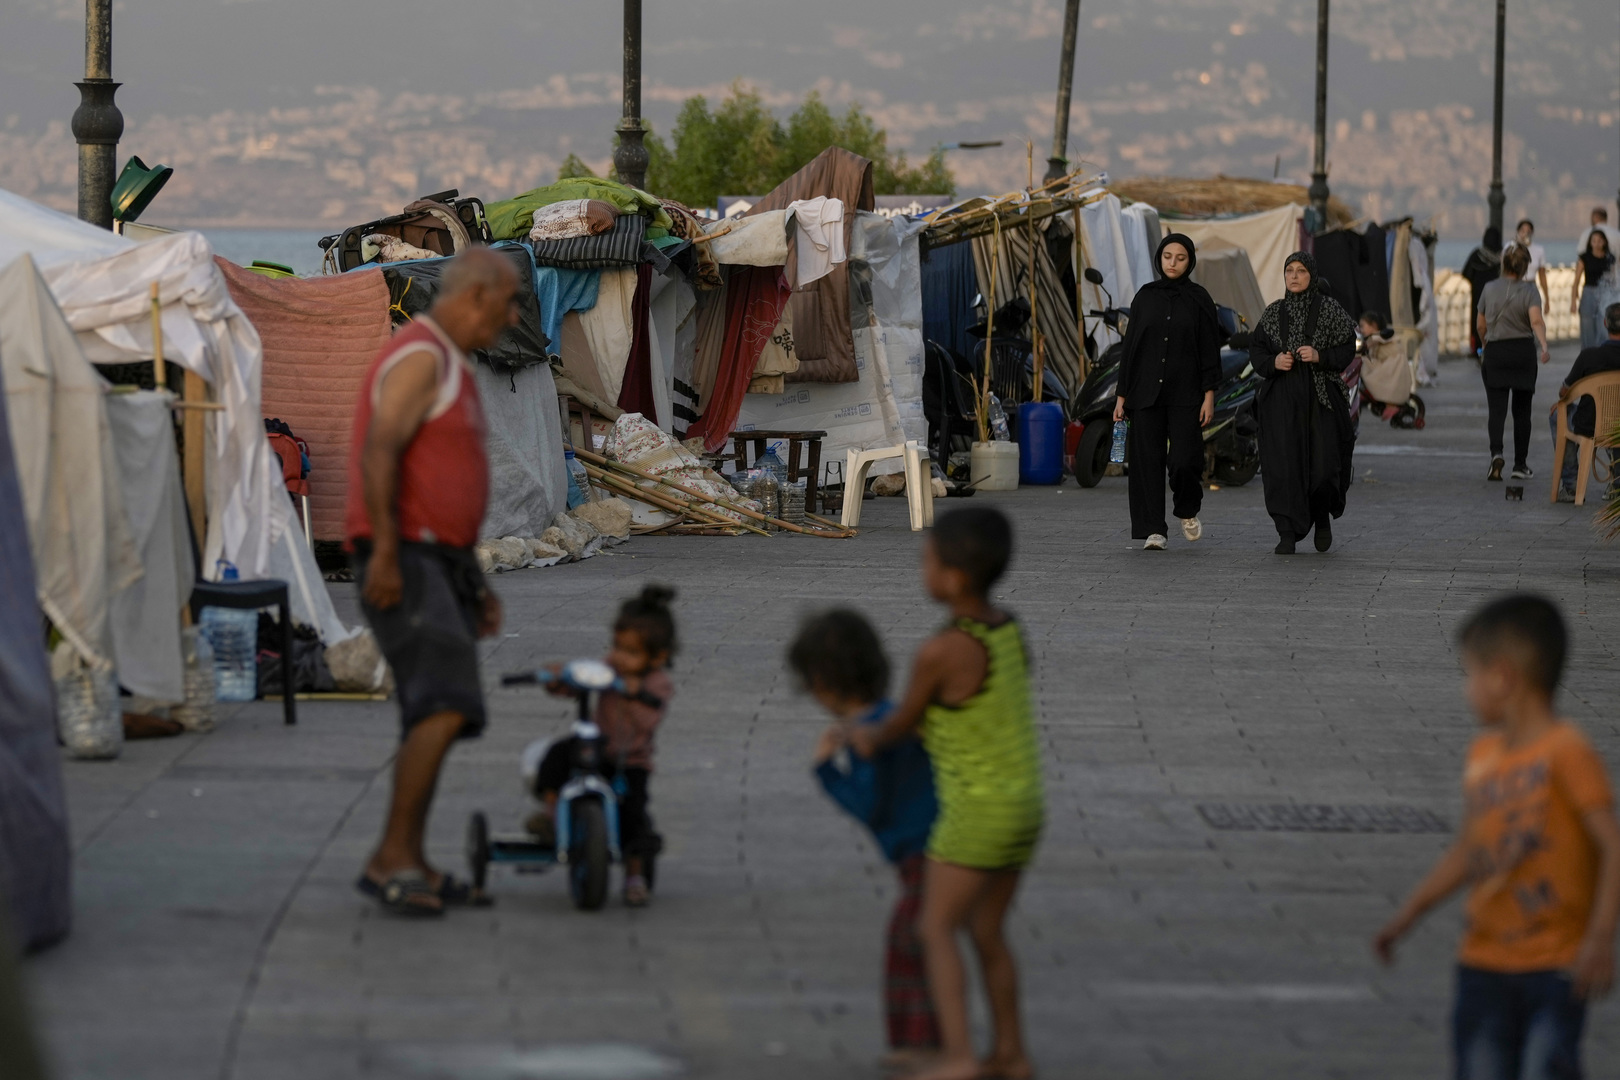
1231	438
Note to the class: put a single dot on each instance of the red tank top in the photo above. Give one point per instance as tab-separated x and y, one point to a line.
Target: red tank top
443	473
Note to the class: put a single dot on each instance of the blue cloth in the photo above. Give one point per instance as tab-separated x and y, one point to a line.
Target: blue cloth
1510	1025
561	291
949	284
891	793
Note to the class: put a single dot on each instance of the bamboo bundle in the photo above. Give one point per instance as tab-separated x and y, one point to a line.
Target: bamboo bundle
1222	195
689	501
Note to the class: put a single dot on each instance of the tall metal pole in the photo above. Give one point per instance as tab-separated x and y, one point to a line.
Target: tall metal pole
97	123
1058	163
1317	221
1496	199
630	157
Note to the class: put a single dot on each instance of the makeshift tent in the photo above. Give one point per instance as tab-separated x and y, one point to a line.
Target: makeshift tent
949	285
35	851
319	337
1104	248
106	298
1268	237
1229	278
1142	231
1054	306
884	406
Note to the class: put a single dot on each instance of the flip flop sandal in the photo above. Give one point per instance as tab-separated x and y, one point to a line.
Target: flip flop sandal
404	893
453	892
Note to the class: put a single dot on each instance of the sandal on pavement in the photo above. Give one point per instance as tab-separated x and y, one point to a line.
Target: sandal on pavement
407	892
454	892
636	893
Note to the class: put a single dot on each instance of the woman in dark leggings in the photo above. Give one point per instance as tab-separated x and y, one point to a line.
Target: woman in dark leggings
1515	336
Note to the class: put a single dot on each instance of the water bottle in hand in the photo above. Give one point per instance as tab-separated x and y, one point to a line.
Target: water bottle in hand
1116	453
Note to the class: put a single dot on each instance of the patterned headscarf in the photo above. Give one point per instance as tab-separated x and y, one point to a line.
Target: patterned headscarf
1288	323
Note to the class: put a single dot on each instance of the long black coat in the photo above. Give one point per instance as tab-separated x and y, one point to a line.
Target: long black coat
1305	446
1172	351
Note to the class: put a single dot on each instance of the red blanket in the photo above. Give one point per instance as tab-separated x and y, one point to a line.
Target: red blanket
320	336
754	303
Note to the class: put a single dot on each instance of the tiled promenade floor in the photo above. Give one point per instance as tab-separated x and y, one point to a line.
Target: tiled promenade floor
218	935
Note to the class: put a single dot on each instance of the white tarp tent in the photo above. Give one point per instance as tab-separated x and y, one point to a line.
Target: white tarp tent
1269	237
1103	247
101	283
884	406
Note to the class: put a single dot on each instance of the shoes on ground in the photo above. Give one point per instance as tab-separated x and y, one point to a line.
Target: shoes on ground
1192	528
1285	546
1324	533
1154	543
636	892
1566	494
1496	469
1520	472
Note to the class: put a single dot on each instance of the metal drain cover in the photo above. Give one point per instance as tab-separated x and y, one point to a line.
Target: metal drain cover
1295	817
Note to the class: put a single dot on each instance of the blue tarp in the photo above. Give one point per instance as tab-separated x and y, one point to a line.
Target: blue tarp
35	852
949	285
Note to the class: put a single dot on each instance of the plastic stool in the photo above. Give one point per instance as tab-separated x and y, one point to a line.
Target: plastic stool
255	596
919	482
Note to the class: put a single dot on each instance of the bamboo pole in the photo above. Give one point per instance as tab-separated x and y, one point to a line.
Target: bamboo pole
989	336
606	463
668	503
160	372
1034	292
194	457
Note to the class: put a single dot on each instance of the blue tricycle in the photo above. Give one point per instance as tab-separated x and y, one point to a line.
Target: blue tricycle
587	805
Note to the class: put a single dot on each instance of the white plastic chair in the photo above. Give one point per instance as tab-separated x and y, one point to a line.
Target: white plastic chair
919	482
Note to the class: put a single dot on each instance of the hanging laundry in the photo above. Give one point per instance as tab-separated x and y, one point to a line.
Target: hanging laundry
559	291
756	297
776	359
636	393
750	241
609	327
819	232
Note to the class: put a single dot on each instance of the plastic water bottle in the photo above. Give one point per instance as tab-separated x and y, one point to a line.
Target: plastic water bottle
773	464
233	634
1116	453
999	431
579	481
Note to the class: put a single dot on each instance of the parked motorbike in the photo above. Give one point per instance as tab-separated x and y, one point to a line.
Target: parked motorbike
1231	438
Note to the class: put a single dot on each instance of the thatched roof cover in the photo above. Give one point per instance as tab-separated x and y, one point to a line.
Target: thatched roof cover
1222	196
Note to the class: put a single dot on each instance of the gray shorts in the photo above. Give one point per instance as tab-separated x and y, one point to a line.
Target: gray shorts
430	638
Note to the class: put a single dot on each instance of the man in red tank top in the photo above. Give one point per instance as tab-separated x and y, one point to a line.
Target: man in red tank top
418	482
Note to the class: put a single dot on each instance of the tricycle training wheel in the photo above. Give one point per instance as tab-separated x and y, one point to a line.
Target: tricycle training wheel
478	849
588	855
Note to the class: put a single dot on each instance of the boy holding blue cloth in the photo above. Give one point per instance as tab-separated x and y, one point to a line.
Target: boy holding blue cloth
840	661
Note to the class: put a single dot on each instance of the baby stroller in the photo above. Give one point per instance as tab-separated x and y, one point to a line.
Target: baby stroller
1389	382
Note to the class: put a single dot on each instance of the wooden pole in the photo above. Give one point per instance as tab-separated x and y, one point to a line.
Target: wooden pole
989	333
1080	298
160	372
193	462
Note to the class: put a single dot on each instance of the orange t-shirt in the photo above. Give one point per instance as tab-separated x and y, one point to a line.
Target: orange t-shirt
1533	866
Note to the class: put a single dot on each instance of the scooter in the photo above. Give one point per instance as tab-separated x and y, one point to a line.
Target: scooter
587	805
1231	438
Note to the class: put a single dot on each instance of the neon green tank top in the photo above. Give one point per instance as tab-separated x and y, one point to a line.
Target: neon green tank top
986	759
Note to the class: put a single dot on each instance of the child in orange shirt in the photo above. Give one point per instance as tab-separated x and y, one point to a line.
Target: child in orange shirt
1539	850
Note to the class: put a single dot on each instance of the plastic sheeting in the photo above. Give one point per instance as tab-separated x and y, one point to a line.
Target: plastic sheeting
1103	248
146	615
524	441
35	854
949	285
1140	228
1268	237
884	406
1226	273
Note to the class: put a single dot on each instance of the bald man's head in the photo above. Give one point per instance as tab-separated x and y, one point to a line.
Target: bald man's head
477	298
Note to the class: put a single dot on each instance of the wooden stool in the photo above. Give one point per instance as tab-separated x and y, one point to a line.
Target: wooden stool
760	440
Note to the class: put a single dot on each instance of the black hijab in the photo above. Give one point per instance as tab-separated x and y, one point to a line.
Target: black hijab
1183	286
1311	318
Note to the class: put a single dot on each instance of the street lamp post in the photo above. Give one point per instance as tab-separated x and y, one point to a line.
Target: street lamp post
1496	199
1058	163
630	156
1319	185
97	123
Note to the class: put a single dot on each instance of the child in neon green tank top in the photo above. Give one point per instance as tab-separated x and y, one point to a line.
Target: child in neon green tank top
969	698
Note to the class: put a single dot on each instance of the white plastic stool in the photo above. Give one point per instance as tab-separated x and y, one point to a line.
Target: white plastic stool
919	482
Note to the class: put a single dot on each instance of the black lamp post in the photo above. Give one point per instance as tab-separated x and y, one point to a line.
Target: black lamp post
97	123
630	156
1316	220
1058	163
1496	199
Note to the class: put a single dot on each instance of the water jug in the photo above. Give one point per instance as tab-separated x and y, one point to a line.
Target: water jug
1040	442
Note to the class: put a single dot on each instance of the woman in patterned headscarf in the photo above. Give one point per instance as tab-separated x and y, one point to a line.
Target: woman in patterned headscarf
1304	341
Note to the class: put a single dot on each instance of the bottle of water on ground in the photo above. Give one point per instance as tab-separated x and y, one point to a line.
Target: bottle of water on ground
999	431
773	463
233	634
579	481
1116	453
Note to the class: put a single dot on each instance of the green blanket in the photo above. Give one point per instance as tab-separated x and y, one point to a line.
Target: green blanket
511	219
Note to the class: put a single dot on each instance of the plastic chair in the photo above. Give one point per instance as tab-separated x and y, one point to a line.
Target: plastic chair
254	596
919	482
1604	390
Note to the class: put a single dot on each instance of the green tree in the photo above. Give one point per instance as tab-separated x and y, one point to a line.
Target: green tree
740	148
573	167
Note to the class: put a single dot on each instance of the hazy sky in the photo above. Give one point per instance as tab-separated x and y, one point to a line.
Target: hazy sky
318	110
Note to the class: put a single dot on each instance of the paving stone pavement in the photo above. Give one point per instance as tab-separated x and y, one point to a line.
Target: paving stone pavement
218	934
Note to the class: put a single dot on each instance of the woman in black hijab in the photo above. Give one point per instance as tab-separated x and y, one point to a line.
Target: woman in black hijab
1484	266
1168	372
1304	341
